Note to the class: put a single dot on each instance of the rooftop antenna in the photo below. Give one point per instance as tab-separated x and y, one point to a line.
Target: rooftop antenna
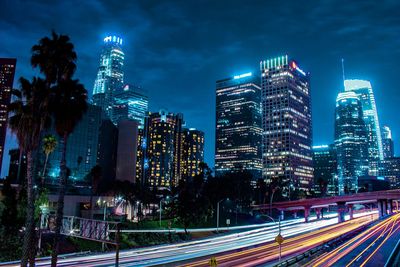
343	70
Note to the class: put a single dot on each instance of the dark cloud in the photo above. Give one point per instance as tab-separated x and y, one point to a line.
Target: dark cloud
176	50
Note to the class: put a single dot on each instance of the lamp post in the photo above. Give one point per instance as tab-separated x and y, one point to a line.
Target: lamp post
161	200
218	211
270	201
279	234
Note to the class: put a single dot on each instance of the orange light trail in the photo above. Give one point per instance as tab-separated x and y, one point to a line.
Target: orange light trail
291	246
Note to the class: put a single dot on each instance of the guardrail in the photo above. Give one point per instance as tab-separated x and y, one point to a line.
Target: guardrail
394	258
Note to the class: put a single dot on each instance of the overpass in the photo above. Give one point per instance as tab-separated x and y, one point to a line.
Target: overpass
384	199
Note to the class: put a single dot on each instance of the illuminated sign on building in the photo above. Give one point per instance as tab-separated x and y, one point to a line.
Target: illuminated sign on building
294	66
114	39
242	75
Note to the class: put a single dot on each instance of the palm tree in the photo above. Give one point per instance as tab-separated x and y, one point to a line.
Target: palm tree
68	95
49	145
55	57
29	118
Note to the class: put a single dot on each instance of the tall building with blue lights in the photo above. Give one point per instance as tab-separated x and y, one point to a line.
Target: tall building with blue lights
82	149
387	143
110	75
363	90
325	170
130	103
7	72
351	141
287	124
238	125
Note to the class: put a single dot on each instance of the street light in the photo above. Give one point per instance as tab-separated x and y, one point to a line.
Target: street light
161	200
279	233
270	201
218	210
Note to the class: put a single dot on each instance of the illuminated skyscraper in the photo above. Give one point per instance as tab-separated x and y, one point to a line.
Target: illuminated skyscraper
110	75
363	90
7	72
130	103
166	152
162	153
287	125
325	170
238	125
192	152
390	169
387	143
350	141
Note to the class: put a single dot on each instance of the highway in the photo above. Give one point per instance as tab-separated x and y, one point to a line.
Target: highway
299	236
368	249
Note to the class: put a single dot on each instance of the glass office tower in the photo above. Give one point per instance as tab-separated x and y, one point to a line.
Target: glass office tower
110	75
82	149
238	125
387	143
351	142
130	103
7	72
363	90
325	170
287	125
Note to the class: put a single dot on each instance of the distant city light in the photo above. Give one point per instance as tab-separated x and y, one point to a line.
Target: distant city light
321	146
242	75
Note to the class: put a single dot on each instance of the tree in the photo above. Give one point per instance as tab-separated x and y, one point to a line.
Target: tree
56	59
29	118
10	223
49	145
69	95
191	205
93	178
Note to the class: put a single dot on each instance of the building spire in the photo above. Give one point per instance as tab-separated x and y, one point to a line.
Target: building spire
343	70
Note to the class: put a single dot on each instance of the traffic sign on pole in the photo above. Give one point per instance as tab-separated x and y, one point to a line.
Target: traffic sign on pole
279	239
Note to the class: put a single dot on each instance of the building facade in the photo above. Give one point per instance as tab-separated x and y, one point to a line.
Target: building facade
110	74
17	172
82	149
390	169
238	125
127	150
7	73
192	152
162	153
325	170
287	124
363	90
130	103
350	141
387	143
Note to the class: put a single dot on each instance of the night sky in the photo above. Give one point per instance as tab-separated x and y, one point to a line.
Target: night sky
176	50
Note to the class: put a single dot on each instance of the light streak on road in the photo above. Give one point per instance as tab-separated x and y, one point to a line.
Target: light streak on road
351	253
259	240
291	246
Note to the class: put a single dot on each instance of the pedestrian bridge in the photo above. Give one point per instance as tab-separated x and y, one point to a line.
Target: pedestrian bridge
386	201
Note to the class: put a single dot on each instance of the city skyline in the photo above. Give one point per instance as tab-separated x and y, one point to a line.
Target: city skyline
154	68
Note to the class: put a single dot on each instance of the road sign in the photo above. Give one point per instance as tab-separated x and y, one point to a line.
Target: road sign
228	221
213	262
279	239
